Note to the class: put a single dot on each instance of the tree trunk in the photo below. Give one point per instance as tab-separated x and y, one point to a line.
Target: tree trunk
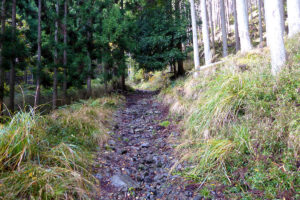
224	32
293	7
2	71
54	97
227	16
105	70
211	26
65	61
12	65
175	70
195	37
38	78
260	24
243	23
281	5
205	33
236	28
123	73
274	35
251	11
180	71
89	78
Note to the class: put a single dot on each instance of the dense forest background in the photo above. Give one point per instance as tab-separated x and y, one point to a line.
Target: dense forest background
61	46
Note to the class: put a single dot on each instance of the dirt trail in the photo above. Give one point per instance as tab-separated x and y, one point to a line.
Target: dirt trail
136	162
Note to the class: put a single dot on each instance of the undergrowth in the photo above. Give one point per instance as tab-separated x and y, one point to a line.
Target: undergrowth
241	127
153	81
50	157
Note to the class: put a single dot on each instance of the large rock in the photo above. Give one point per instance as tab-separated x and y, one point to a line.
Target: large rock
123	181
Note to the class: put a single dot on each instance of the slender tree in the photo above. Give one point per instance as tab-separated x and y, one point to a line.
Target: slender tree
39	41
224	32
89	76
260	24
13	62
211	25
236	28
243	23
54	97
123	73
2	70
65	53
274	35
205	33
180	71
293	7
195	37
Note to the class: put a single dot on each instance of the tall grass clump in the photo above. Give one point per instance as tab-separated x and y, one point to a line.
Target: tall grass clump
50	157
241	130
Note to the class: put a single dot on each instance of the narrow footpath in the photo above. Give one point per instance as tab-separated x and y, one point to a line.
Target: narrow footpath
136	162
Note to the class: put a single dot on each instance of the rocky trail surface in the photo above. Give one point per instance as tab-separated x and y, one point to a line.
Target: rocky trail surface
137	159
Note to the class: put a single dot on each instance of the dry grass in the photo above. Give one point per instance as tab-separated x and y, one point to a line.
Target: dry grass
240	117
50	157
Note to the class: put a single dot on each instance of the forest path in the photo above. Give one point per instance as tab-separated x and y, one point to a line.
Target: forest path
139	155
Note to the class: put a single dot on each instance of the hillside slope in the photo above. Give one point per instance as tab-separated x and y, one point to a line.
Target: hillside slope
241	126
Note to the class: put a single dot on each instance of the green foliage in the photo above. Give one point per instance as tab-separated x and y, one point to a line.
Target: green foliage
158	35
165	124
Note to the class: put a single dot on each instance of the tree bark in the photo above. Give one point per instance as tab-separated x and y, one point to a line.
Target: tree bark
243	24
89	78
236	28
212	26
205	33
293	7
2	71
180	71
195	37
260	24
12	65
281	5
224	32
54	97
65	60
38	78
274	35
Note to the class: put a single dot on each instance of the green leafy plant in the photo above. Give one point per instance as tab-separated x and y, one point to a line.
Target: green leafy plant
165	124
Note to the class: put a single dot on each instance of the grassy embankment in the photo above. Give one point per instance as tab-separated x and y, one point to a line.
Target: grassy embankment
241	126
51	157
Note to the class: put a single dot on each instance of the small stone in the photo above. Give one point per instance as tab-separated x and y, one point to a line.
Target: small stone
111	142
149	159
139	130
198	197
99	176
188	194
145	144
141	167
